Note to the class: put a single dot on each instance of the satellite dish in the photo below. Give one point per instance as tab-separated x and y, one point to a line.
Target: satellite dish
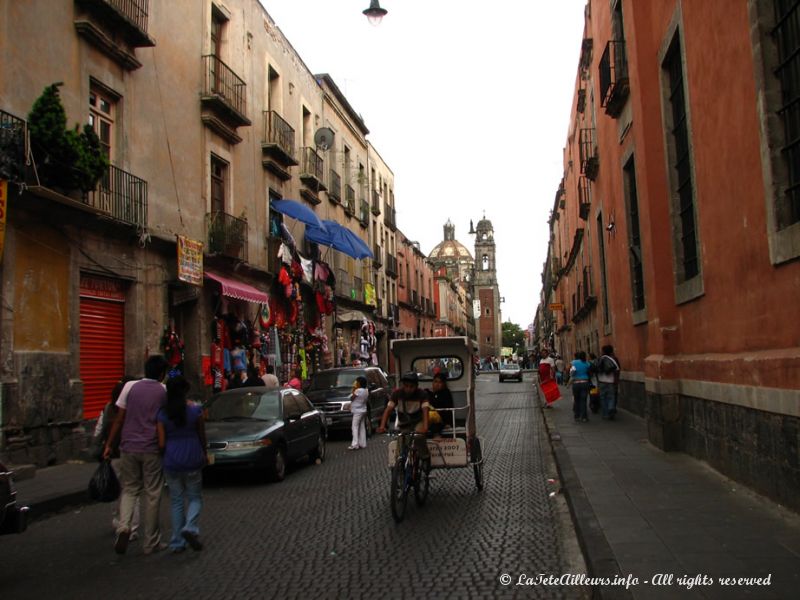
323	138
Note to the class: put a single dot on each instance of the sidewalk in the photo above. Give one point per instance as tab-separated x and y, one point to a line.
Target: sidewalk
55	488
641	511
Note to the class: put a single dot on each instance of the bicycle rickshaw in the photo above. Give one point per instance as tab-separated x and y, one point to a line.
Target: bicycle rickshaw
457	445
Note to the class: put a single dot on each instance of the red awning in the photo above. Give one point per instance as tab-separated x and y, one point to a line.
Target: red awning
238	290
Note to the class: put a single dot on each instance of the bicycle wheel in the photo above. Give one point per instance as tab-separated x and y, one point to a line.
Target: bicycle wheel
422	481
399	492
477	463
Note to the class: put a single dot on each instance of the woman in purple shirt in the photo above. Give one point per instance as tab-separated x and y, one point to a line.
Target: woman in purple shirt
182	440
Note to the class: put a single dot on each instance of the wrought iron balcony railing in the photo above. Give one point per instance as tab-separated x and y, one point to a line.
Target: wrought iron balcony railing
227	235
13	135
377	259
122	195
349	200
278	138
391	265
225	86
312	169
344	283
376	203
335	186
389	217
363	212
584	198
588	153
133	11
614	84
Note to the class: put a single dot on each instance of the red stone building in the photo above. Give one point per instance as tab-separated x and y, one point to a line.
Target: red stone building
675	231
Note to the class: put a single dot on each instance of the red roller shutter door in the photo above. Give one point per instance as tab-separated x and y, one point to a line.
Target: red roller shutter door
102	352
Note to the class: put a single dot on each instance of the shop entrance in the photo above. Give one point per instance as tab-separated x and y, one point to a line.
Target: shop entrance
102	341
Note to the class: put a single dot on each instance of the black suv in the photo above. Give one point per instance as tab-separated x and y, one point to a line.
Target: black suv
12	517
329	391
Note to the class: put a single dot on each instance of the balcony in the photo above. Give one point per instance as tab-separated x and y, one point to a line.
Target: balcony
13	133
584	198
614	84
227	235
588	153
344	283
391	266
334	186
115	27
223	99
377	260
277	145
363	213
389	218
349	200
581	106
122	196
311	174
376	203
415	298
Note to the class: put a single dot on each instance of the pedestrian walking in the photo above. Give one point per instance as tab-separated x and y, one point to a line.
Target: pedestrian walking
182	440
608	370
579	375
358	406
560	370
547	381
140	470
102	430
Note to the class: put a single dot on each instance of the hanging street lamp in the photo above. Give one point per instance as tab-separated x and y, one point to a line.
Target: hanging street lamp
375	13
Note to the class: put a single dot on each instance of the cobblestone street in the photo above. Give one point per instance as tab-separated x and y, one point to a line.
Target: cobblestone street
327	531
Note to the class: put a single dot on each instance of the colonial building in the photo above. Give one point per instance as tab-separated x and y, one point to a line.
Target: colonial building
675	232
208	119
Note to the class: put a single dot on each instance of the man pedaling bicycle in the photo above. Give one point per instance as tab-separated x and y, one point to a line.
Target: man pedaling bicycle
412	412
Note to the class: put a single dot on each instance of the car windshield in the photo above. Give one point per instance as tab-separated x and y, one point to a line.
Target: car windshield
512	367
257	406
327	380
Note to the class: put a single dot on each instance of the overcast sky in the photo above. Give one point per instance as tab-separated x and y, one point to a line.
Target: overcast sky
468	102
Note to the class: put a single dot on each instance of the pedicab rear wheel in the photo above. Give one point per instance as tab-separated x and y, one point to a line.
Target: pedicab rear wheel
398	493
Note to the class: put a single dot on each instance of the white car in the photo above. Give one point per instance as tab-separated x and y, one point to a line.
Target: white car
510	371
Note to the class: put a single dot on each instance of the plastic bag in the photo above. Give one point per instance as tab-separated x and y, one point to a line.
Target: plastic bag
104	485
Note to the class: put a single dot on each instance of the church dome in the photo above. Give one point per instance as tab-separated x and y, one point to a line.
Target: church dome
450	250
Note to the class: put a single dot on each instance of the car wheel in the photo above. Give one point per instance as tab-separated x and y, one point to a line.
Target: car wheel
318	453
277	471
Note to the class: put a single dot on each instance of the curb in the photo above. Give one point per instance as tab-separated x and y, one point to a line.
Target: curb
45	507
600	559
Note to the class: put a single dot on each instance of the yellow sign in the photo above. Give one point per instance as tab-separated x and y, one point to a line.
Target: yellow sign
3	209
190	260
556	306
369	294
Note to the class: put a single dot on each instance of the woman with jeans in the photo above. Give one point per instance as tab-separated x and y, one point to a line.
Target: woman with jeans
182	439
579	374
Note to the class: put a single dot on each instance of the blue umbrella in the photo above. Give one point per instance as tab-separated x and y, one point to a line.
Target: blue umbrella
297	210
339	238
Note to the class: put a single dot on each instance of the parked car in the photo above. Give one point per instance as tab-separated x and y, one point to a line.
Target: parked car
330	390
13	518
263	429
510	371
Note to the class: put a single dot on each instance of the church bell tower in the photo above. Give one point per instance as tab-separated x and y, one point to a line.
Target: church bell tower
487	291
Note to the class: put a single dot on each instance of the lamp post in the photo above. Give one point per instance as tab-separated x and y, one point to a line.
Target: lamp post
375	13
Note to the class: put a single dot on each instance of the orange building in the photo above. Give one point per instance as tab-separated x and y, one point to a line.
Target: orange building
675	231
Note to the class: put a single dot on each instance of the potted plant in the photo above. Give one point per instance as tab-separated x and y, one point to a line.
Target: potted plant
66	160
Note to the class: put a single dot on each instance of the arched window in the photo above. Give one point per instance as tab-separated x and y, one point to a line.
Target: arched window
485	262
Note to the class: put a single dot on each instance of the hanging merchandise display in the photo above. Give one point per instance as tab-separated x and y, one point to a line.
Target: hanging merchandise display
172	348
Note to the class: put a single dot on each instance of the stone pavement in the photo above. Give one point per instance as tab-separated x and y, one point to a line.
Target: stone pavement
642	512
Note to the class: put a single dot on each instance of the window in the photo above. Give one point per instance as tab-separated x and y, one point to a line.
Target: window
273	90
787	38
102	108
485	262
680	161
634	235
217	25
602	252
219	176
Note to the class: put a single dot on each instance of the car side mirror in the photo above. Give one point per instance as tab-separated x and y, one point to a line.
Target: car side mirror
373	386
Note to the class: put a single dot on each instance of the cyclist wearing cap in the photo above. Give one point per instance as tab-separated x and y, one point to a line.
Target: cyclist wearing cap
412	410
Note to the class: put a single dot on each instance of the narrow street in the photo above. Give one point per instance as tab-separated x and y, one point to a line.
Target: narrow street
327	531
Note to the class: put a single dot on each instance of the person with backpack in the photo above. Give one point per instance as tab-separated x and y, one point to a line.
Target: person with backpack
182	439
608	370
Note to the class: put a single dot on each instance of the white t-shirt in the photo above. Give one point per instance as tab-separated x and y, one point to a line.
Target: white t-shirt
358	402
